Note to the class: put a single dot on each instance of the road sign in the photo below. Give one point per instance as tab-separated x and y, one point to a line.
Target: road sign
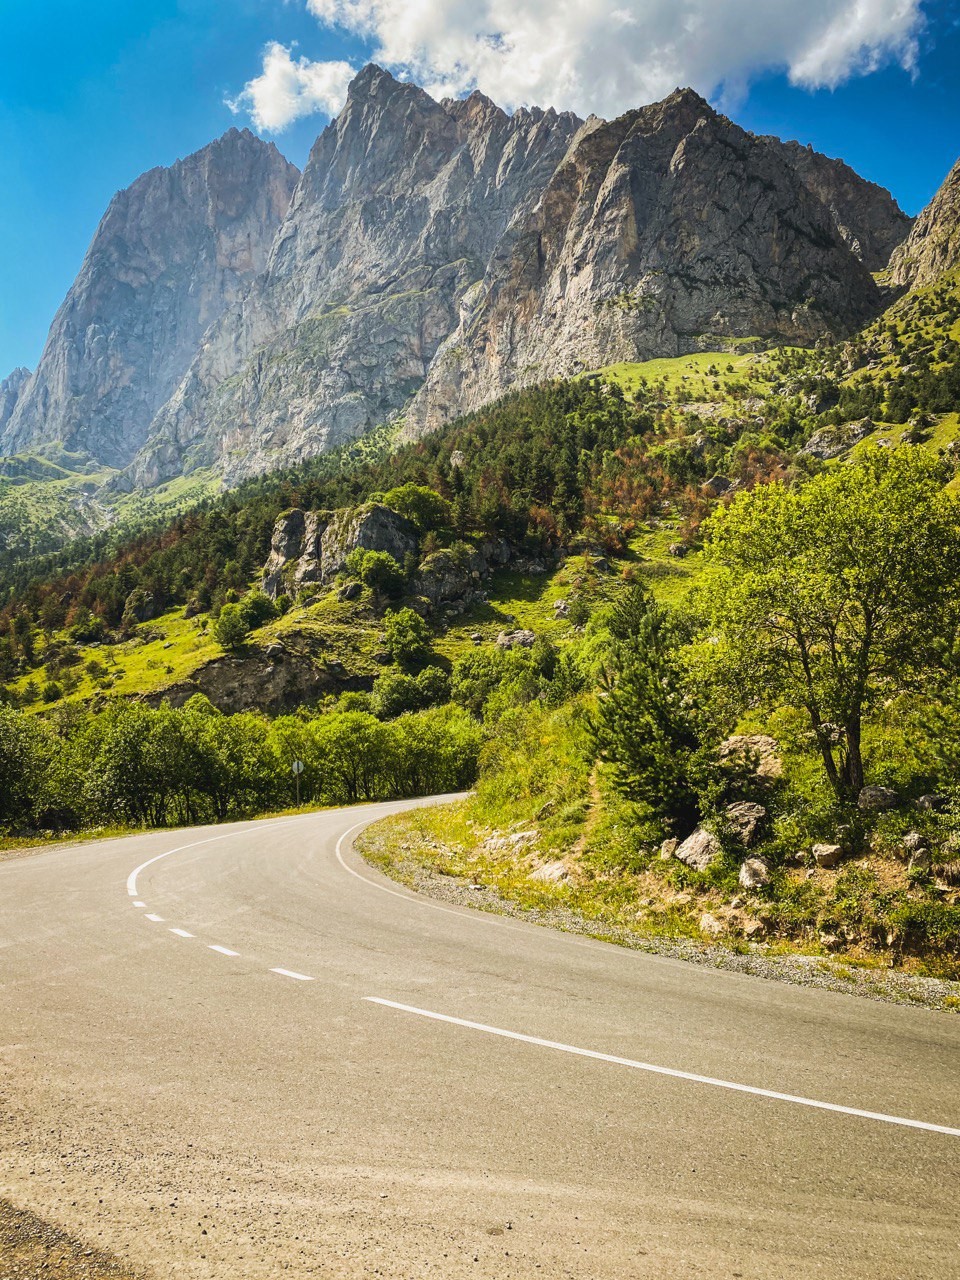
297	766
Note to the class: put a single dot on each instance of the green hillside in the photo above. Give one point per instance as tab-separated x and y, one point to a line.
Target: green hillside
585	664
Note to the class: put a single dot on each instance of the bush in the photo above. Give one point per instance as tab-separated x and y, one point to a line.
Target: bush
377	570
422	506
408	636
231	628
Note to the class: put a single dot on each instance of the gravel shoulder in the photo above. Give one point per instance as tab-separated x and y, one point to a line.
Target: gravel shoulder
31	1249
412	863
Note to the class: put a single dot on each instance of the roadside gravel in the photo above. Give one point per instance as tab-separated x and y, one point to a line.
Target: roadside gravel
31	1249
828	972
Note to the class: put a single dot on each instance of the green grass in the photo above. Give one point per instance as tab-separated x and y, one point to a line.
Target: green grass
683	377
134	667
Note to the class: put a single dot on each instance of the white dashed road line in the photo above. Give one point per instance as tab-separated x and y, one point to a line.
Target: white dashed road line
224	951
690	1076
181	933
155	919
289	973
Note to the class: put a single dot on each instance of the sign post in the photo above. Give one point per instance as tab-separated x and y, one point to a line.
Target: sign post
297	768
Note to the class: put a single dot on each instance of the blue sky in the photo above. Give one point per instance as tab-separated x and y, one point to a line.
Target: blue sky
93	92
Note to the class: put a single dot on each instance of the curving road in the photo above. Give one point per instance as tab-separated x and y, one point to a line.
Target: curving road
239	1052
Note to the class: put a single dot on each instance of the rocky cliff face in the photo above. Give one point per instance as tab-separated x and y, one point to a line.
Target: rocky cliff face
933	246
397	213
172	251
869	220
667	231
10	390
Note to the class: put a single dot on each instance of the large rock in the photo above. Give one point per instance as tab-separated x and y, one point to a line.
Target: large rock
700	850
445	576
286	545
878	798
830	442
313	547
827	855
519	639
743	820
754	874
372	527
756	751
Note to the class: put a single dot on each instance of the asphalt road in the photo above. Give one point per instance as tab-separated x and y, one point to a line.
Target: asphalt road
254	1111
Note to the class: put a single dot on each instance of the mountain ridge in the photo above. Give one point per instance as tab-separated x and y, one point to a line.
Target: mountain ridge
403	278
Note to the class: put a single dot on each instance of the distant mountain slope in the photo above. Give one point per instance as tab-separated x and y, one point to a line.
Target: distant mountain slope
869	220
933	247
171	252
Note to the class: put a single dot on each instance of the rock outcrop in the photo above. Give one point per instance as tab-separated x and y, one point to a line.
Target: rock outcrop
10	389
831	442
313	547
933	246
172	251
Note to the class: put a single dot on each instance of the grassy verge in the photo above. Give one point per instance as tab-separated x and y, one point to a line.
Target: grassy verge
447	854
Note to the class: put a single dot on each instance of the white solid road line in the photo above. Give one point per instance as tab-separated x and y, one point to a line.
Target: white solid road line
155	919
668	1071
224	951
132	877
181	933
289	973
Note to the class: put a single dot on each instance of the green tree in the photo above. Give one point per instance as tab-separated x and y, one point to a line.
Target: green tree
647	727
232	627
408	636
836	595
377	570
422	506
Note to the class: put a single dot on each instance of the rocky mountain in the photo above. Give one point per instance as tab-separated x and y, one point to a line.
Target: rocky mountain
172	251
933	246
667	231
433	255
399	209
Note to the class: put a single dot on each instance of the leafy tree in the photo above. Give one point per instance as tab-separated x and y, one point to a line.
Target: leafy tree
25	755
394	693
377	570
647	727
422	506
836	595
257	608
232	627
408	636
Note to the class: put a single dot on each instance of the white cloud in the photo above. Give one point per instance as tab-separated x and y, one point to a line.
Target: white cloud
609	55
289	88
